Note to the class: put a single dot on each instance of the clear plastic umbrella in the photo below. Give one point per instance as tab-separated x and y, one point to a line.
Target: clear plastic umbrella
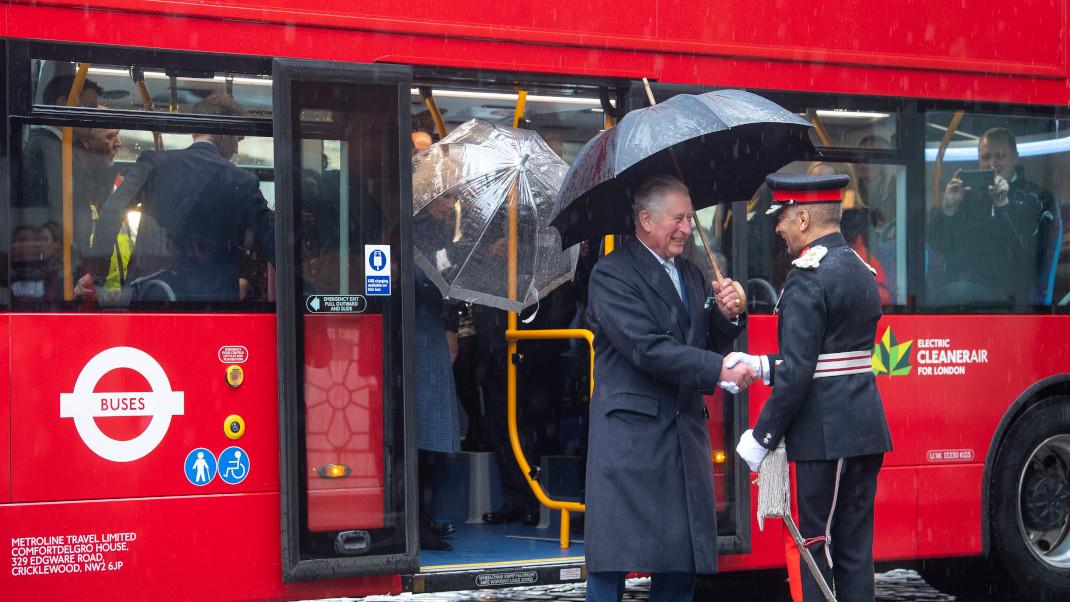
473	191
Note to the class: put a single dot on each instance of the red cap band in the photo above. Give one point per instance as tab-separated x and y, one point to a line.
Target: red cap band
808	196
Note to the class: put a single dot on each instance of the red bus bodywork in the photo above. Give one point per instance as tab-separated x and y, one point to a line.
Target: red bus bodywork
222	542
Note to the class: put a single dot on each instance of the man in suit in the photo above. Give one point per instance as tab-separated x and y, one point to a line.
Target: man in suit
659	342
197	208
825	403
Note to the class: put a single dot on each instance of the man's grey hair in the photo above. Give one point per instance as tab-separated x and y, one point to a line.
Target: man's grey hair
651	194
822	214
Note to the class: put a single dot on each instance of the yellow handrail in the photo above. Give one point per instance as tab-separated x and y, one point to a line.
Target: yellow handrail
512	335
67	166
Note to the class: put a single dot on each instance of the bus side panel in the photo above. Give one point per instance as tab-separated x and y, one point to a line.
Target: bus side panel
933	42
949	512
203	547
895	514
5	414
123	405
904	73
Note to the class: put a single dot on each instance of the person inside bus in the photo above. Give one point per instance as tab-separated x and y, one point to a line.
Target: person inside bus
999	244
42	172
199	206
437	410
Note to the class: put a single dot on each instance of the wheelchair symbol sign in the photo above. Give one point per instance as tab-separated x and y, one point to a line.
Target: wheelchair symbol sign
233	465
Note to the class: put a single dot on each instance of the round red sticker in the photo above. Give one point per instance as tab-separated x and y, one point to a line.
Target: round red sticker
233	354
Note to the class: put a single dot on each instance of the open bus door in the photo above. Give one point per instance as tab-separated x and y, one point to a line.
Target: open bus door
345	311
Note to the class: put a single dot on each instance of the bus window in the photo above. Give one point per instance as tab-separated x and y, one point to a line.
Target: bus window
171	90
182	228
994	213
873	205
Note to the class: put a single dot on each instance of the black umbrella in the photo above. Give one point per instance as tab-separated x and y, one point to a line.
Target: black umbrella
722	144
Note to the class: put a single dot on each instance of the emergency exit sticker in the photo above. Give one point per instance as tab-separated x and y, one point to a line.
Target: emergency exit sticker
376	270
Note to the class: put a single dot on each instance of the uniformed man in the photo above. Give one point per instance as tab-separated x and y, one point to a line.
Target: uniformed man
825	403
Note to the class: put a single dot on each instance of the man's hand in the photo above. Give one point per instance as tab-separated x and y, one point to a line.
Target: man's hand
998	191
85	287
750	450
736	377
759	363
727	297
954	192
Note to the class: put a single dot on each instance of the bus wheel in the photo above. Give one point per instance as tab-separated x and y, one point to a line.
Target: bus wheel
1030	510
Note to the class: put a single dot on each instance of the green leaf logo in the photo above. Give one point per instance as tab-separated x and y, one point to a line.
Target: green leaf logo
890	356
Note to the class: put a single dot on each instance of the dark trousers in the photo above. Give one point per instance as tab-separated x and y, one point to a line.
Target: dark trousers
851	545
664	587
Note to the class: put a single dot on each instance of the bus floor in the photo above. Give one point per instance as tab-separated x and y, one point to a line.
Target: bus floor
479	545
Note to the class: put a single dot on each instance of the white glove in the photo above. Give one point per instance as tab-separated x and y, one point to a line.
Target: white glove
729	386
758	363
750	450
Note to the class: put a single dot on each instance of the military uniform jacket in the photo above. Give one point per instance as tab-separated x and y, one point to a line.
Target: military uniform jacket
650	503
830	305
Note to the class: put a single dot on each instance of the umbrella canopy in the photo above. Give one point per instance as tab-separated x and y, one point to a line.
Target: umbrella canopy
721	143
464	188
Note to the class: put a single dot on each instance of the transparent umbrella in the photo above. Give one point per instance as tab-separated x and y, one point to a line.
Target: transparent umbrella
474	191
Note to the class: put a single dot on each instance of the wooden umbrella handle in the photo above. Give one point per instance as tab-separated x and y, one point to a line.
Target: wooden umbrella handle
717	270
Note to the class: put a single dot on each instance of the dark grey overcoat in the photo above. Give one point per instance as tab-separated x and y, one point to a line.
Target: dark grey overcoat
650	504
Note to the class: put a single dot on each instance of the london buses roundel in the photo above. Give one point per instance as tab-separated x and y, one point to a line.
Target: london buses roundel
83	405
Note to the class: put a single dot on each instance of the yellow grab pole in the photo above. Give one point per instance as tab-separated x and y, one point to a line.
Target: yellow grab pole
938	167
521	102
146	101
67	159
436	115
609	242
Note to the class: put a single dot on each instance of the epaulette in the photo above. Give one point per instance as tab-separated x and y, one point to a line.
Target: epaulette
871	268
811	258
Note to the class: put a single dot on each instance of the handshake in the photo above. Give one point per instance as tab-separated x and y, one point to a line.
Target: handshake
739	370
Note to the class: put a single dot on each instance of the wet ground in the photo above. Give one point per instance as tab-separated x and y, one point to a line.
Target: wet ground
899	585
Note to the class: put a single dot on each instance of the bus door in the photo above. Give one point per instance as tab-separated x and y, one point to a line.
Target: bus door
344	319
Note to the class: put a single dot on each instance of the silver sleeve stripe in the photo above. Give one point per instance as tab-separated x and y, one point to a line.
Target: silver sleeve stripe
844	372
844	355
839	365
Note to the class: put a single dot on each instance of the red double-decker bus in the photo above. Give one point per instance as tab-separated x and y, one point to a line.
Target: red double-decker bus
262	446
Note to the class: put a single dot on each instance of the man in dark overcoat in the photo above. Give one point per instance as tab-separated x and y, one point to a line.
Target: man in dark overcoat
201	205
659	342
825	404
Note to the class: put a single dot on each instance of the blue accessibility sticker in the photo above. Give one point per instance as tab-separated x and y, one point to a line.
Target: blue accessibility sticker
233	465
377	270
200	467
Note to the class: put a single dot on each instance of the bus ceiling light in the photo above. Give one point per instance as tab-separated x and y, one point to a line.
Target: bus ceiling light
333	471
838	114
1036	148
254	81
509	97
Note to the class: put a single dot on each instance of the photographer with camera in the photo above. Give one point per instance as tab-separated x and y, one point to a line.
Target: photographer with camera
995	234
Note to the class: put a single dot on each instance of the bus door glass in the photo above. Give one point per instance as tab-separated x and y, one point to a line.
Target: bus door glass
344	271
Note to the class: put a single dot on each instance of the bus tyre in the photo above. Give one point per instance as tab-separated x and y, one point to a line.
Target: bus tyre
1030	503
